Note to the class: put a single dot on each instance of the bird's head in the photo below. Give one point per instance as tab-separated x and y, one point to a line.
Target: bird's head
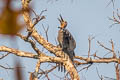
63	23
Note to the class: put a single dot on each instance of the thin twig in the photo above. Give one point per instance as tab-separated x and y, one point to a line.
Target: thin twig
46	31
37	70
47	71
85	67
101	78
38	17
116	19
6	67
111	1
33	44
104	46
118	14
114	55
111	50
66	76
89	39
46	74
4	55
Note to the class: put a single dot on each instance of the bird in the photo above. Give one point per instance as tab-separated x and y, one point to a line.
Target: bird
66	40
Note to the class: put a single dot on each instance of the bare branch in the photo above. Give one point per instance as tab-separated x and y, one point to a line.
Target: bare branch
79	63
117	72
85	67
111	50
111	1
47	71
46	74
33	44
35	74
114	55
95	55
4	55
46	31
104	46
101	60
101	78
6	67
116	19
17	52
38	17
89	39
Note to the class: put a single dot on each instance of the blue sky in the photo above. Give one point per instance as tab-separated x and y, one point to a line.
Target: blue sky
85	18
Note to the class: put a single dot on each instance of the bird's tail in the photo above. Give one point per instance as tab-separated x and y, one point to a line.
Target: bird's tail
61	67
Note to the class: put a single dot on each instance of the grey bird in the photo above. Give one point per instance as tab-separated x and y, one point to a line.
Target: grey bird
66	40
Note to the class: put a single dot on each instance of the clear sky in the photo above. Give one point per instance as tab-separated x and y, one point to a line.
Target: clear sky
85	18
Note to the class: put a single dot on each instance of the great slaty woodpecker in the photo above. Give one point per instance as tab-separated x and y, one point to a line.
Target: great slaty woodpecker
66	40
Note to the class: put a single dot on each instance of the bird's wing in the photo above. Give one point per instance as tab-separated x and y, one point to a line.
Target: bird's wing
70	40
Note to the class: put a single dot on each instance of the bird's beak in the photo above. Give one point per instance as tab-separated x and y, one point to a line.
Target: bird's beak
61	19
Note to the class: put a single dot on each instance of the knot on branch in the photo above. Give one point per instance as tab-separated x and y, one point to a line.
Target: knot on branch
89	60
